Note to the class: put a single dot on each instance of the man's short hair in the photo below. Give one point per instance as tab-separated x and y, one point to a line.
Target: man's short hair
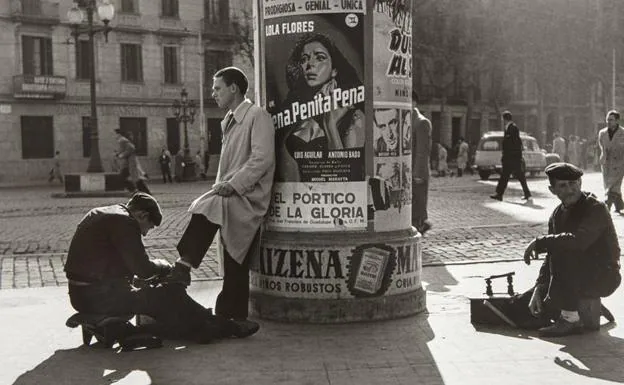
233	75
145	202
506	115
615	114
562	171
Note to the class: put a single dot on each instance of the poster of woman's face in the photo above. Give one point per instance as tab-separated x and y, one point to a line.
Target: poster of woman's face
315	94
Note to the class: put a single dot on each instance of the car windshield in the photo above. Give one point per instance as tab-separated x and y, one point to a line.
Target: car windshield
490	144
530	144
495	144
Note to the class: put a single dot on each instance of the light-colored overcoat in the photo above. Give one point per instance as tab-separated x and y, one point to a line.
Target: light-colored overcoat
247	162
127	153
559	147
612	158
462	155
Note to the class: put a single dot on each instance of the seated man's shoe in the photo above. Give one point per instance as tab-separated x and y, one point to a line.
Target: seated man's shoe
562	328
181	274
497	197
244	328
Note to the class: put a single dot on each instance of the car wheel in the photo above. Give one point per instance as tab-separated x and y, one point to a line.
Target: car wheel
484	174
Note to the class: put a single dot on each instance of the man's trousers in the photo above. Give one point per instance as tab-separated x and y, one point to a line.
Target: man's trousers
233	300
175	312
504	179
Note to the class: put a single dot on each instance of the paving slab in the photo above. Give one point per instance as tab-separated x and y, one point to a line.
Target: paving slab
439	347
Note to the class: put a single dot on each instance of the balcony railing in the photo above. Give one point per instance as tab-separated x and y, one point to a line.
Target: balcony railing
221	30
35	11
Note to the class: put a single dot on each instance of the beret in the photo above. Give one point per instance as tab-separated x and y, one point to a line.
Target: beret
146	202
563	171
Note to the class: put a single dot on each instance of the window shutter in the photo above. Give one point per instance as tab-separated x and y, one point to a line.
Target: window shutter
46	57
27	55
224	11
139	62
124	63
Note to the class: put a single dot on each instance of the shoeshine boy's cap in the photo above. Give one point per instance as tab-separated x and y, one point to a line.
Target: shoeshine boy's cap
563	171
146	202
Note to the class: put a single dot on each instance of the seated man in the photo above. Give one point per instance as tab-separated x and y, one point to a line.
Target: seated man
106	253
582	254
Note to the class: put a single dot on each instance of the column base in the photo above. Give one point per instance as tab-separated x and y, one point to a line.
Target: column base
337	310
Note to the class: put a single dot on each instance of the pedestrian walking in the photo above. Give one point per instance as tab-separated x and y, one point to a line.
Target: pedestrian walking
611	142
574	150
165	165
462	156
238	201
131	170
199	165
421	151
114	163
55	172
178	169
512	161
559	146
442	163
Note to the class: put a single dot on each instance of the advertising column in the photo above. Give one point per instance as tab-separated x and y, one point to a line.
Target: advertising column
339	245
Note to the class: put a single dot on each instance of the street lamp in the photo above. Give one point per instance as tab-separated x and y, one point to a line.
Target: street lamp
184	111
105	12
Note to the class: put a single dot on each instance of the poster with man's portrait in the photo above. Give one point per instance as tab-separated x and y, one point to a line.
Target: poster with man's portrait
385	132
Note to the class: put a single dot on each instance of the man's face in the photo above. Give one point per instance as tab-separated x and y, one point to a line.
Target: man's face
568	191
222	93
144	222
387	121
612	122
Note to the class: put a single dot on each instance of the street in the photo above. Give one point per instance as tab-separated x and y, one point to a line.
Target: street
36	229
473	237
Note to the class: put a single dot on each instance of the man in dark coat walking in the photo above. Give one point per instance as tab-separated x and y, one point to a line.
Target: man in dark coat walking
511	160
421	151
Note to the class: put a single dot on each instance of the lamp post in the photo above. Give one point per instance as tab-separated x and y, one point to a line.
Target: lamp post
105	11
184	111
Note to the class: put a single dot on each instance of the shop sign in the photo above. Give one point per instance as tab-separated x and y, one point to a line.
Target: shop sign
39	87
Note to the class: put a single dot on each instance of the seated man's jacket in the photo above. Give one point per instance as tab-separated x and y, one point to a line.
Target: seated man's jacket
584	231
107	245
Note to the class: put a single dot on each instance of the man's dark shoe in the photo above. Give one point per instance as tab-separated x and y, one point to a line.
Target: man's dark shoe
181	274
562	328
244	328
426	226
497	197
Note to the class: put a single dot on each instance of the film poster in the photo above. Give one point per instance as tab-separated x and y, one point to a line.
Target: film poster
390	185
315	95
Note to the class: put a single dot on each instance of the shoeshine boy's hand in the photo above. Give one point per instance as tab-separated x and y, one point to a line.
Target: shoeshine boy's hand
530	252
224	189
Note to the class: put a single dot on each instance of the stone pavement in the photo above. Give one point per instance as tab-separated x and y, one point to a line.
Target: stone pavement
35	229
438	347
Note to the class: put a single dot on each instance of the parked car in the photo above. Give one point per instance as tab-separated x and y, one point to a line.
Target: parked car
488	154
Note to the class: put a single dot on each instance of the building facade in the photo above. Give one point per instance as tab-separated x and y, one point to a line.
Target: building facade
547	61
152	53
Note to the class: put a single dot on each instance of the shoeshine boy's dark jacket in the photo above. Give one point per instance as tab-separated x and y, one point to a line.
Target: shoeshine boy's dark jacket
108	245
585	231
